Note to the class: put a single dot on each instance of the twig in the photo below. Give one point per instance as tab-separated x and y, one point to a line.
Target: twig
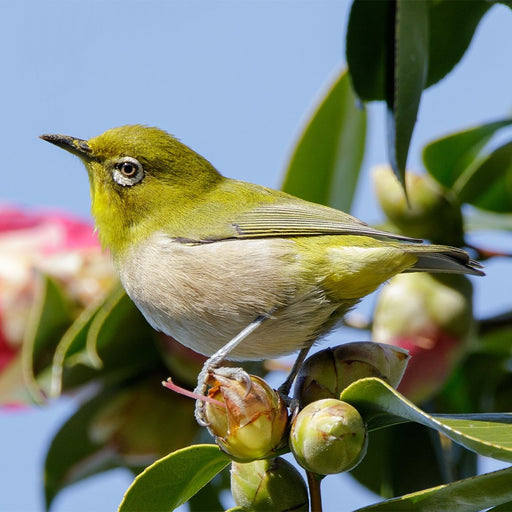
315	495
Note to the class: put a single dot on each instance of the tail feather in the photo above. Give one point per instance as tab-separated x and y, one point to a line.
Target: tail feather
440	258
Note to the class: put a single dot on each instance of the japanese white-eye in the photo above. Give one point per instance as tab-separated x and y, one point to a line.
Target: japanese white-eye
203	256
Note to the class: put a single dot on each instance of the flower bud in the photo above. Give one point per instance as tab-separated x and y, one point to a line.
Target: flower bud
431	316
328	372
250	420
144	423
429	214
269	484
328	436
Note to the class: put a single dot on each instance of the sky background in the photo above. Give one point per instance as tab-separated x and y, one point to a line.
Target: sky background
232	79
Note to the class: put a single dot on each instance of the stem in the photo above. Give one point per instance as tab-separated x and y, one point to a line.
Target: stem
315	494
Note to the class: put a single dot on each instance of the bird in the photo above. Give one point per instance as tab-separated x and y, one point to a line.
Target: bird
230	269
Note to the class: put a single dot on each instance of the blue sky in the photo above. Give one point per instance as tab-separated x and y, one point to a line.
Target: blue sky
232	79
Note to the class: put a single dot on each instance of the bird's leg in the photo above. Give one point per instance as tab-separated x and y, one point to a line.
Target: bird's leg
284	388
214	362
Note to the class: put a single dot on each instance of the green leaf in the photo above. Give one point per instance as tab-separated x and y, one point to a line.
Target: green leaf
393	460
504	507
172	480
489	184
73	455
447	158
452	25
470	495
12	384
71	348
112	341
381	405
369	42
325	164
408	80
50	316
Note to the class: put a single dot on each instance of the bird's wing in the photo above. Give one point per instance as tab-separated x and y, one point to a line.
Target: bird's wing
301	218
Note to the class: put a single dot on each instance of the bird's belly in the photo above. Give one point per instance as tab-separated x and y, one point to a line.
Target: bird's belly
205	294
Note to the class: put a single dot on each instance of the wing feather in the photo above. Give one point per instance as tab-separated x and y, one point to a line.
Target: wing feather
303	219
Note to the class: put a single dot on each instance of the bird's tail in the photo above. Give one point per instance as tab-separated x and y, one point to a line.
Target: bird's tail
441	258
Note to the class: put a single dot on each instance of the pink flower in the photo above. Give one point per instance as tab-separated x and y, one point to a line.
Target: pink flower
51	243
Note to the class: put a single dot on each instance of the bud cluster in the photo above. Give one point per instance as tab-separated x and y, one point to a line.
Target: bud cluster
249	421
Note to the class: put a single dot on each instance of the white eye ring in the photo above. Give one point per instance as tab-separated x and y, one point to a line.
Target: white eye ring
128	171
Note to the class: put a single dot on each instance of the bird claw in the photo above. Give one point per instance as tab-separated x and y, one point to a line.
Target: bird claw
210	374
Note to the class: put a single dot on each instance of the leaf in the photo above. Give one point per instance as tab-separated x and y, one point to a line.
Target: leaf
72	455
452	25
381	405
447	158
13	390
390	466
71	347
489	184
470	495
172	480
325	164
369	42
50	316
111	342
407	79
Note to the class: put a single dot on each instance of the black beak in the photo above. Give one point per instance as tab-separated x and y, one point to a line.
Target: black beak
78	147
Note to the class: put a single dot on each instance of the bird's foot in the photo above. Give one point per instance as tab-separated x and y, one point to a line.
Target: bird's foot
210	376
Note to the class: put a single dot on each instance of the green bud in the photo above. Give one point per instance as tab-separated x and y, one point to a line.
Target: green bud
430	213
247	424
328	436
328	372
268	485
143	423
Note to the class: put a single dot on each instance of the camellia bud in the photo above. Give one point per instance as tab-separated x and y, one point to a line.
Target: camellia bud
249	421
143	423
269	484
431	316
428	214
328	436
328	372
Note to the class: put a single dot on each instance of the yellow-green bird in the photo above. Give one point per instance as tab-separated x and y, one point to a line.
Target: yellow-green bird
213	261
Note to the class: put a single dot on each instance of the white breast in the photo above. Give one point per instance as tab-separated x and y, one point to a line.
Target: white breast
204	294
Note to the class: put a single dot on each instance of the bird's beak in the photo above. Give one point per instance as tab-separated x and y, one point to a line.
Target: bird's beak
78	147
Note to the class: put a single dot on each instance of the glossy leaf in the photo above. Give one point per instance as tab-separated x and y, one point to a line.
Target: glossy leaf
452	25
399	460
12	384
369	42
489	184
469	495
71	348
410	67
50	316
114	343
381	405
72	455
325	164
448	158
172	480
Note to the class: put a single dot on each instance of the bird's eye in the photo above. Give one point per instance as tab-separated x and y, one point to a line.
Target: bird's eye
128	171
